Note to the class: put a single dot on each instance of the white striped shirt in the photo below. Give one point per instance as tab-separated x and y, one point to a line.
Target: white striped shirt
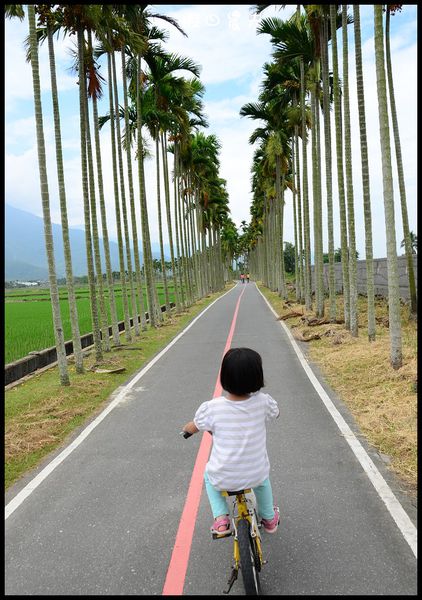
239	456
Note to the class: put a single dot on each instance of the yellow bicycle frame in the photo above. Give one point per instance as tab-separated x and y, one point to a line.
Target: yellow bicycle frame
244	512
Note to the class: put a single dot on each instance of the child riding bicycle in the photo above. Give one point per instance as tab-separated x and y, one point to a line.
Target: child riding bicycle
237	421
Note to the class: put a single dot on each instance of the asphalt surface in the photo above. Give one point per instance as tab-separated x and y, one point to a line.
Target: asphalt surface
105	520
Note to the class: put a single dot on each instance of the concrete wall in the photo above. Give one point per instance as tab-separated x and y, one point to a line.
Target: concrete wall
380	276
38	360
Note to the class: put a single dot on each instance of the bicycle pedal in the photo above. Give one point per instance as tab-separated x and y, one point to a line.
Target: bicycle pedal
218	536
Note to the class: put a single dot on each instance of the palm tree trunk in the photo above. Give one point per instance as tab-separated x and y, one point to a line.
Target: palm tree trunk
349	182
87	219
402	188
319	257
180	268
265	277
45	198
169	223
316	209
138	275
299	222
106	244
181	218
328	173
280	233
146	245
393	279
307	242
74	322
103	317
192	241
160	224
340	174
126	317
365	177
187	246
201	263
295	221
123	198
213	258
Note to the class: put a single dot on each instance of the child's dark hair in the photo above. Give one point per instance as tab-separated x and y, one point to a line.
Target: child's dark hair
241	371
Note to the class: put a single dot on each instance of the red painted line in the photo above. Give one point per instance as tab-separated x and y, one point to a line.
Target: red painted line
178	565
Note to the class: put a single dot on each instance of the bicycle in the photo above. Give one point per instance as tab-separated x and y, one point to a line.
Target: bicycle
247	543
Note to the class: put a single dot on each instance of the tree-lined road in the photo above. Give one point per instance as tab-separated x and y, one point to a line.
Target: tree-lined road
105	520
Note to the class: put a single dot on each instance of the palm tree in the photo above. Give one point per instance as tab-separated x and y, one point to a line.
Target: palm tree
314	17
292	41
104	227
393	280
76	336
77	20
123	198
146	244
181	98
84	169
164	88
50	21
141	24
365	177
103	317
48	236
272	109
340	174
138	274
328	162
189	119
113	117
390	9
349	182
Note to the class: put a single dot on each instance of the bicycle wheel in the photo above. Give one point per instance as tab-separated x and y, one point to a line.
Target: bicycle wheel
248	559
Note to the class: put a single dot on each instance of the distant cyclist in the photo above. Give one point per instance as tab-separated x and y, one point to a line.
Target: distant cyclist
237	421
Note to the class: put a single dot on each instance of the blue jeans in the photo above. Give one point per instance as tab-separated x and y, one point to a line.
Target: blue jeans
263	494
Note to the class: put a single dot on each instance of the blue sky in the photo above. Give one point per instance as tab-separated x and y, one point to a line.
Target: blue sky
223	40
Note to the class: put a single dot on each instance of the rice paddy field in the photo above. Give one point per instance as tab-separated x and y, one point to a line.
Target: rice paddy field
28	317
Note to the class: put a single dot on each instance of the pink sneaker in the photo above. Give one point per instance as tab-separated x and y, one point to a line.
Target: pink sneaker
221	526
270	525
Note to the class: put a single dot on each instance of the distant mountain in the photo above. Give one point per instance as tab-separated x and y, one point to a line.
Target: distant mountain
25	256
16	270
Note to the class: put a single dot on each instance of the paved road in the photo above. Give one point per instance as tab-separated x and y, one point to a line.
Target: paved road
105	520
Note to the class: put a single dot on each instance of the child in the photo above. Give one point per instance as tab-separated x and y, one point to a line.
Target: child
239	457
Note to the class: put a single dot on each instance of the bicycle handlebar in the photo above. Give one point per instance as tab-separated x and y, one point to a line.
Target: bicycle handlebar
186	434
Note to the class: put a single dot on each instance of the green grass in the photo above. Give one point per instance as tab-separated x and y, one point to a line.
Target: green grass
29	323
40	413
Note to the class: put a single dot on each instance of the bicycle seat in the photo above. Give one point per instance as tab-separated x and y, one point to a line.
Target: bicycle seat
236	493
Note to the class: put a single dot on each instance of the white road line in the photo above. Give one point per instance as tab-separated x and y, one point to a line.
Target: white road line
396	510
32	485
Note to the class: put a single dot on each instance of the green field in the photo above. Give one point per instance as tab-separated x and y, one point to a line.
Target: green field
29	321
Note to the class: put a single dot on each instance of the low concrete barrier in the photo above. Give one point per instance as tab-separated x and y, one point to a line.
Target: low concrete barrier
380	276
38	360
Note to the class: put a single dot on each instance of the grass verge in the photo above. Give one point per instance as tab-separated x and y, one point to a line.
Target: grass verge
382	400
40	413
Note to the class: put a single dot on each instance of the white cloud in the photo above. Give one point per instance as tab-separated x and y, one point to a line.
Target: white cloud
18	76
222	39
